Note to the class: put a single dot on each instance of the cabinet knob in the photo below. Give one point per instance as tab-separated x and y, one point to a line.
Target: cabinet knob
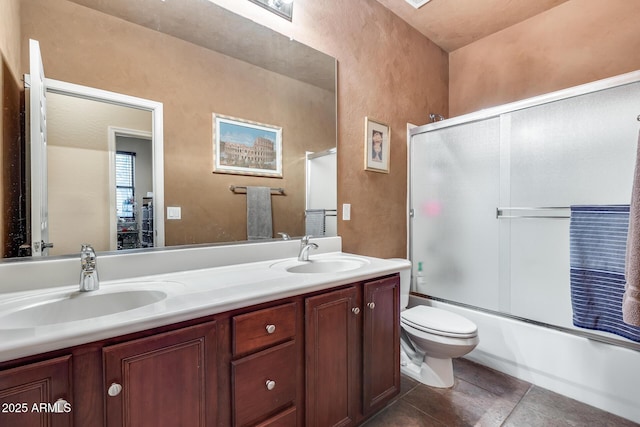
371	305
114	389
270	384
271	329
355	310
60	406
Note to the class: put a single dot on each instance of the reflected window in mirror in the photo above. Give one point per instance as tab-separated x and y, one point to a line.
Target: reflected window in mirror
283	8
125	185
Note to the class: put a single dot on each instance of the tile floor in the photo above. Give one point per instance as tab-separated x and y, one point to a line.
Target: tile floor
488	398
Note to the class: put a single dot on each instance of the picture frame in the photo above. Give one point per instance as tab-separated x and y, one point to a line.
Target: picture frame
244	147
377	141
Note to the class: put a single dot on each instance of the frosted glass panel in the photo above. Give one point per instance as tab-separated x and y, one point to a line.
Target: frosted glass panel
575	151
539	271
454	193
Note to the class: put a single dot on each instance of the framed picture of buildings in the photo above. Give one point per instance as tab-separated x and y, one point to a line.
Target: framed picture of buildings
244	147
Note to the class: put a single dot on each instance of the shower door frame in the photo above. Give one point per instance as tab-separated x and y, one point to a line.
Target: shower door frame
500	112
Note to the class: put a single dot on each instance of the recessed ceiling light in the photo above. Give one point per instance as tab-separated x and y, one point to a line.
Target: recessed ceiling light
417	3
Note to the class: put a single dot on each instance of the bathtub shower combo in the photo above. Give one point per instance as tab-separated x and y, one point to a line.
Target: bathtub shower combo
496	200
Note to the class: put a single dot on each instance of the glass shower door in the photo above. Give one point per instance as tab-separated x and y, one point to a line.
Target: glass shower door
454	193
577	151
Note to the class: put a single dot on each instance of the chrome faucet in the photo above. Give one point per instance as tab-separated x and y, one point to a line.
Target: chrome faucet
89	269
304	248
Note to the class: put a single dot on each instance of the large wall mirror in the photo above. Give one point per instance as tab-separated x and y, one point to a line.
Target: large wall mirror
198	60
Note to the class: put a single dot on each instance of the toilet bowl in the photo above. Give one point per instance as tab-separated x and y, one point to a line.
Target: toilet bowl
430	337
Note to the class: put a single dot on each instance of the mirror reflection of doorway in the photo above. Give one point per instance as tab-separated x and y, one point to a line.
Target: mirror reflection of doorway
80	152
133	190
321	190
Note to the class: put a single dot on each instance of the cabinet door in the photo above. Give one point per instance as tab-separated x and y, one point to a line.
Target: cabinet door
28	394
381	343
166	380
332	352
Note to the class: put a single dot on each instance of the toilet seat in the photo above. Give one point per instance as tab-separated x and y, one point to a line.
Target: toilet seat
438	322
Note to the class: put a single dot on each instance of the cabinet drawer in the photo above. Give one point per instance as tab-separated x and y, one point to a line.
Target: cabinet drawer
260	329
285	418
263	383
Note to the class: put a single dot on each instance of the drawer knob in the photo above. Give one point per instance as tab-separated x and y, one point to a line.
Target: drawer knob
271	329
270	384
371	305
114	389
61	406
355	310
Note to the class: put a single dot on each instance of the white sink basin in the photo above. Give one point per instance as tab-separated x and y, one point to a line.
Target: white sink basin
321	265
71	306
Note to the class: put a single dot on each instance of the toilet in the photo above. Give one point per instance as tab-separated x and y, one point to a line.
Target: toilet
430	337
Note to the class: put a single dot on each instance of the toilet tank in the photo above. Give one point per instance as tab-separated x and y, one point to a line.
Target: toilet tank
405	282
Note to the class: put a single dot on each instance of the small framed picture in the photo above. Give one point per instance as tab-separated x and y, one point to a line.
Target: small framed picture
243	147
377	139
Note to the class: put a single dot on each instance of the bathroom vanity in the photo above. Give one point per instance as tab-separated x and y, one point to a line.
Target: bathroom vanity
313	349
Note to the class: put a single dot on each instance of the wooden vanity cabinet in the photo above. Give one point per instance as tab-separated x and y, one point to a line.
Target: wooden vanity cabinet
265	378
380	343
332	351
352	352
167	379
321	359
28	394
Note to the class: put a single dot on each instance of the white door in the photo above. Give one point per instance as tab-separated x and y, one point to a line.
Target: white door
38	147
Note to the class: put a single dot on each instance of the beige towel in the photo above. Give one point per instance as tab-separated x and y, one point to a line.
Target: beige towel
631	298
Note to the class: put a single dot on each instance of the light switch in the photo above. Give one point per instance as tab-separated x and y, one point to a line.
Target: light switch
346	211
174	212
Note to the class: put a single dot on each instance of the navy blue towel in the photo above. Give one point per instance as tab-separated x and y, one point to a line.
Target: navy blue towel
598	239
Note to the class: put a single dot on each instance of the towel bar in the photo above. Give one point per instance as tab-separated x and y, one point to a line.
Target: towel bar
501	215
238	189
327	212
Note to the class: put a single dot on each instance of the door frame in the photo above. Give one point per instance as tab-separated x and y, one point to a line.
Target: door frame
114	133
157	137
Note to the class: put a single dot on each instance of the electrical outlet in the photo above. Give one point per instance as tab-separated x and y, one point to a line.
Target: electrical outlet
346	212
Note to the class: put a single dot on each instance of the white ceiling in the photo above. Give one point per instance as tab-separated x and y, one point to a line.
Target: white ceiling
452	24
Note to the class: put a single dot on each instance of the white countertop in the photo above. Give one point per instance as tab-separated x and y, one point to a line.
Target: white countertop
191	294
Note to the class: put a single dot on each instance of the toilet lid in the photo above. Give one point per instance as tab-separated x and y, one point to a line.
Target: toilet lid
441	322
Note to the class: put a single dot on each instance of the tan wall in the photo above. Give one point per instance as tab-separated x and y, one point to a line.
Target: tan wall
574	43
387	71
89	48
10	88
10	35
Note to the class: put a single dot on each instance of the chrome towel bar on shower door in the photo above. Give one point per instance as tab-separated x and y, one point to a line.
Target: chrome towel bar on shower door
500	212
